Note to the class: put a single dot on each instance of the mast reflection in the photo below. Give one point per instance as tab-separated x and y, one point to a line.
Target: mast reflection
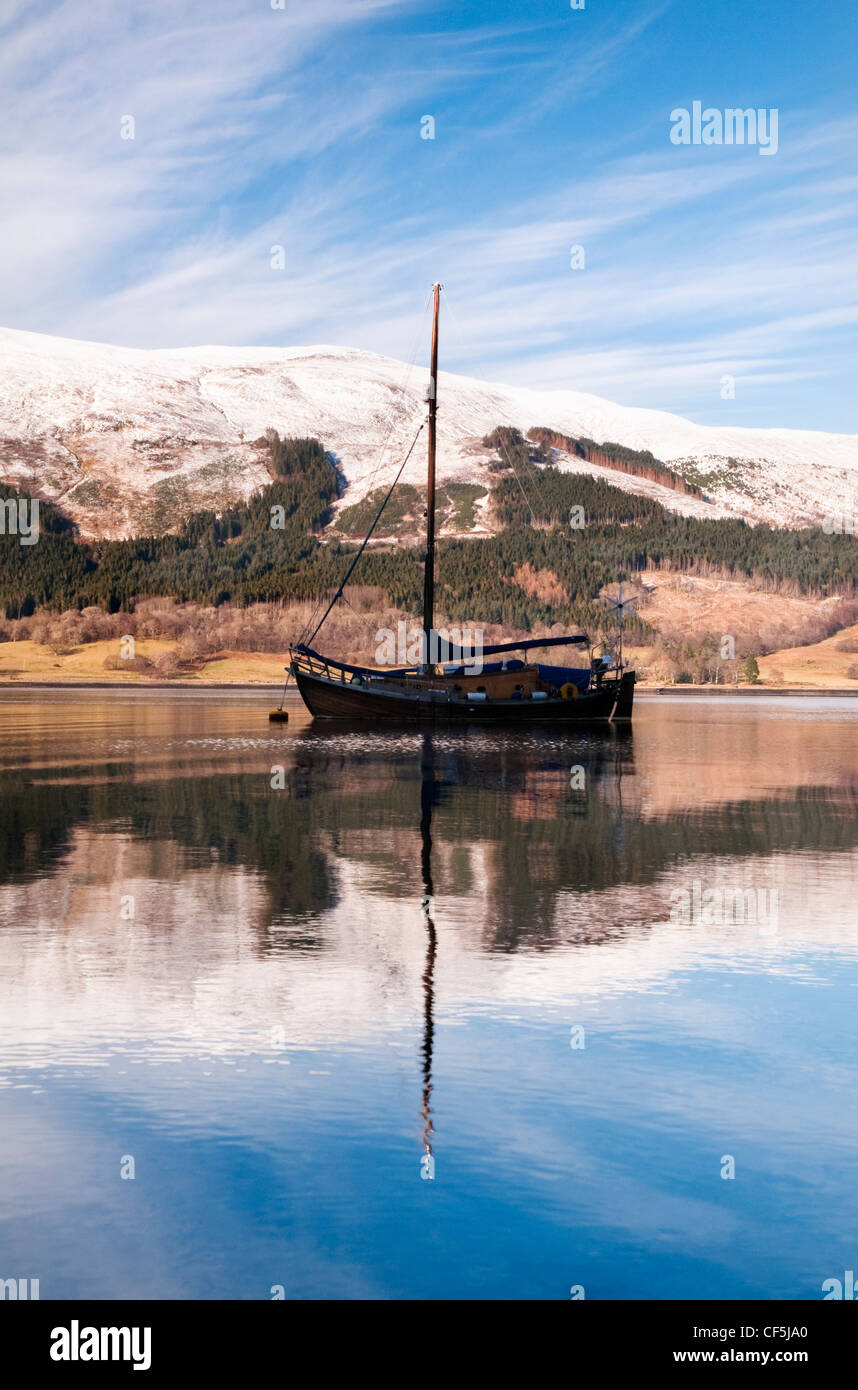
428	794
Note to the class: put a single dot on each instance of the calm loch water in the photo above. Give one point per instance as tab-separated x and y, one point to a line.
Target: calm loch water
464	1014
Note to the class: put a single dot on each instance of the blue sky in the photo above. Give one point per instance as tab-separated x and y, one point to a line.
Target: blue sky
300	127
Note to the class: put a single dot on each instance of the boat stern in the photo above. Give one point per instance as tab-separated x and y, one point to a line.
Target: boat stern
625	699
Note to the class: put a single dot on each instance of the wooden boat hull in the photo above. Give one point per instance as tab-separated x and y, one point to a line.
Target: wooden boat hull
611	702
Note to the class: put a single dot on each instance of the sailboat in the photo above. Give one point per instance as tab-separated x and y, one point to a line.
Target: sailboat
457	684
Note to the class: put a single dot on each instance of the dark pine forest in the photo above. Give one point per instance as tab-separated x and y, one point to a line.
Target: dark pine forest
272	549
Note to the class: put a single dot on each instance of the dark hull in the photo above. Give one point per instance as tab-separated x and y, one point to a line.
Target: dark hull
332	699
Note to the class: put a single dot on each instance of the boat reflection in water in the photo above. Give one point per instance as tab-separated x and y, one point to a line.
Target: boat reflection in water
297	971
614	749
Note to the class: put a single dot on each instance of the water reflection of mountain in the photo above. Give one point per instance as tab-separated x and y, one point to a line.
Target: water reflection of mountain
511	833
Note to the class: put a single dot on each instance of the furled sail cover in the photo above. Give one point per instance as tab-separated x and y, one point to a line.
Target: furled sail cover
443	651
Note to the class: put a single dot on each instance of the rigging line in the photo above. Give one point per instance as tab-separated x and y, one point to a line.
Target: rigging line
339	594
503	450
311	620
309	624
303	634
410	365
535	474
402	391
349	572
453	315
534	470
458	328
534	477
537	481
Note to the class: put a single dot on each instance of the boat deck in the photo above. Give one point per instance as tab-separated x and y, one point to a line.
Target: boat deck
335	690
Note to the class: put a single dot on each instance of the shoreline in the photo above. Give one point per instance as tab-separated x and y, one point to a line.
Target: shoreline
641	691
690	691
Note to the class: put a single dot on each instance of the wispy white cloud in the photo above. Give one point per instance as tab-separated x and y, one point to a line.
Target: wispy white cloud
220	97
258	127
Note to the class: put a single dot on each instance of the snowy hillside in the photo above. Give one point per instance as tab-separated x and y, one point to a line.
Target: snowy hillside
128	441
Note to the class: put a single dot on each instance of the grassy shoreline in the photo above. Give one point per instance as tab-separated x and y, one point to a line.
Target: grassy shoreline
816	669
644	688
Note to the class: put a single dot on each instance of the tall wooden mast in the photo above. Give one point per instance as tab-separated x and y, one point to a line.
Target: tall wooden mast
429	575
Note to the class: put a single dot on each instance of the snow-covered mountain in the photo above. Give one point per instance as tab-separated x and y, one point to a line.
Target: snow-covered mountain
127	441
